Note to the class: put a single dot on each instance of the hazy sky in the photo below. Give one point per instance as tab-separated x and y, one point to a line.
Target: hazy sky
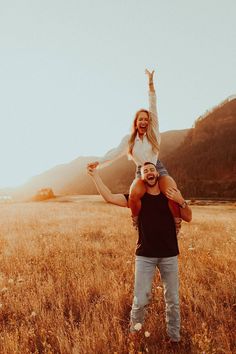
72	73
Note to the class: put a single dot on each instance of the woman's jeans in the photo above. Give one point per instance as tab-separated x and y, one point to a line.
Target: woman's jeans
144	272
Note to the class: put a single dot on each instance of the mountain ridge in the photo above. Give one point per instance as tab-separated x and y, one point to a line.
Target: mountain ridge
201	159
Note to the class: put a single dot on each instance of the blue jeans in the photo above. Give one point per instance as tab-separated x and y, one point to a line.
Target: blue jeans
144	272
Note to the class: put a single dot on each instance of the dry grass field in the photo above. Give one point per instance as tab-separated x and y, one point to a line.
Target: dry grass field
66	280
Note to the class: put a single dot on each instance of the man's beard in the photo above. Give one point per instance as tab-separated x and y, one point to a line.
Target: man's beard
151	184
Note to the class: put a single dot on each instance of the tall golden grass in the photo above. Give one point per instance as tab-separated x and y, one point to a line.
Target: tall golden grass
67	272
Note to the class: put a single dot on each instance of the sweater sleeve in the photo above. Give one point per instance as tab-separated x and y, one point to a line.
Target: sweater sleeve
154	115
115	153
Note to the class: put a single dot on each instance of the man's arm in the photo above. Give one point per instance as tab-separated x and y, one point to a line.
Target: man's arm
175	195
108	196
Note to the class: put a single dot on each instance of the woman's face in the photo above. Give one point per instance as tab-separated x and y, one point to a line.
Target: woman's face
142	122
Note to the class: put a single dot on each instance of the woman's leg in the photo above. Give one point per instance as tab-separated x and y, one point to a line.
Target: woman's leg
175	210
137	190
166	182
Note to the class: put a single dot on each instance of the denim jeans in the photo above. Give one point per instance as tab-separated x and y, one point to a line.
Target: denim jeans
144	272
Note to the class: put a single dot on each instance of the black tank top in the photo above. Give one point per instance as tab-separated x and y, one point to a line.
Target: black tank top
157	234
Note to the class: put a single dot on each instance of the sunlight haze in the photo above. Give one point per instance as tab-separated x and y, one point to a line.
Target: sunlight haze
72	73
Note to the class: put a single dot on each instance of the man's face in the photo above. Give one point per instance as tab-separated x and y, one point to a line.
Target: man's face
149	174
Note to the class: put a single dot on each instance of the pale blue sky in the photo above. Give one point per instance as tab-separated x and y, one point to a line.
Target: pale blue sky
72	73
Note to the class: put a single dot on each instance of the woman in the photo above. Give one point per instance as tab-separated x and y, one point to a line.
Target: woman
142	145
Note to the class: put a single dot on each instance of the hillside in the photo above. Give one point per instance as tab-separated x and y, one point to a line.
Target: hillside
202	160
204	165
72	178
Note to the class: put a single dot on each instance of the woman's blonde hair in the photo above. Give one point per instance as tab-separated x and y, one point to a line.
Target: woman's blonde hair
151	136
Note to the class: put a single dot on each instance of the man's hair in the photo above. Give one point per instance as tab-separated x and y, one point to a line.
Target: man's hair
149	163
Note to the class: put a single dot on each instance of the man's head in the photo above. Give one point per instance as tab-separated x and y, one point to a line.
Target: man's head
149	174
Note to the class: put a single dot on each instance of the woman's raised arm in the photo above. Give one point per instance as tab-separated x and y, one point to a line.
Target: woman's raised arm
153	104
150	80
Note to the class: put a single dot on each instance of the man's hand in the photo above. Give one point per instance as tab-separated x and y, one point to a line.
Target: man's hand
92	164
175	195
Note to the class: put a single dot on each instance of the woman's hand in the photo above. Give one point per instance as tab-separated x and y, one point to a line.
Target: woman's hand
92	171
92	164
150	75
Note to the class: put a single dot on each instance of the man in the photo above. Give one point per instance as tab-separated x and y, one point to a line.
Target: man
157	246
